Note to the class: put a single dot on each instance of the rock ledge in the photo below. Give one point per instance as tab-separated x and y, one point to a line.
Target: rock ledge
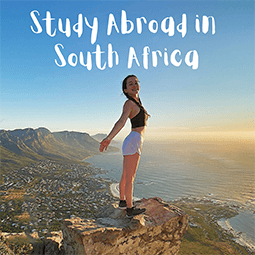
158	231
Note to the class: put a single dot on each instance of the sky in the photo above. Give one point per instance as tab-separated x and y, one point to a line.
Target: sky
202	85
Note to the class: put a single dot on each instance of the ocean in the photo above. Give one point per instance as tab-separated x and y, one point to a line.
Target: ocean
222	171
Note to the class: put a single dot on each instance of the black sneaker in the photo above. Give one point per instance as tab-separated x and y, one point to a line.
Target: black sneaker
131	212
122	204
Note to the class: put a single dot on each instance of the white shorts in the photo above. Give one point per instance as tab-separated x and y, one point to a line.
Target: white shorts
132	144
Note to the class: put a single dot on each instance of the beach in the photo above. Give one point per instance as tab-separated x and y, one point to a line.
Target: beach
239	237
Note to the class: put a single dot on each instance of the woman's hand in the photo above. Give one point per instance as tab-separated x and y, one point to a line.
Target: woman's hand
104	144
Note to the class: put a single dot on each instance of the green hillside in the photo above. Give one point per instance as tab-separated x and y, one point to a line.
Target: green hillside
10	160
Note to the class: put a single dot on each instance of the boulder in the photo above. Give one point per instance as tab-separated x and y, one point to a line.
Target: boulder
158	231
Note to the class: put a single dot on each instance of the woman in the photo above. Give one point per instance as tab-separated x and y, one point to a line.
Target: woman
132	145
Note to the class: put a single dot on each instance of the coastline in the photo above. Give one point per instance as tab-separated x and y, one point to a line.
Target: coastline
239	237
218	217
207	198
207	211
217	214
220	191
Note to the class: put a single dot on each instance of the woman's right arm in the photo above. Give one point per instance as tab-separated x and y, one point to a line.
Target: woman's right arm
127	108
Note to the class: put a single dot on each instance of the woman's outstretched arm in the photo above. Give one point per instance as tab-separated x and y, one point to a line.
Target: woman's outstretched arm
127	108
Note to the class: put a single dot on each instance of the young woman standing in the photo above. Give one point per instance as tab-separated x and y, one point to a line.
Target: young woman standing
132	144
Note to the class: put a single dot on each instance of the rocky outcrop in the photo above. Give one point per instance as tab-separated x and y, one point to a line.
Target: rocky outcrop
25	243
50	245
158	231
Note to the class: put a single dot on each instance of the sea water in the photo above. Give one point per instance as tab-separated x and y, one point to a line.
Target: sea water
222	171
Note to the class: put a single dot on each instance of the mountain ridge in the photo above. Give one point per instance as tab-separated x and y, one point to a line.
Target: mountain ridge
100	136
41	143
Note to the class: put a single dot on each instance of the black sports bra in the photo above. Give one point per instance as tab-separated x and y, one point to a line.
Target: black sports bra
140	120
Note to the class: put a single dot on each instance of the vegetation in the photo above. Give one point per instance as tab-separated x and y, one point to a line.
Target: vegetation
205	236
16	245
12	161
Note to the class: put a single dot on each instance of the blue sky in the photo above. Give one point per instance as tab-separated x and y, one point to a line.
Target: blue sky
216	97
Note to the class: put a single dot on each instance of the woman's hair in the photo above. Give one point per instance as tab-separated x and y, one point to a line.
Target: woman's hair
124	86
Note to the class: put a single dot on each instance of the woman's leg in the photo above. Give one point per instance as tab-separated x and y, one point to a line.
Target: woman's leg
122	184
130	164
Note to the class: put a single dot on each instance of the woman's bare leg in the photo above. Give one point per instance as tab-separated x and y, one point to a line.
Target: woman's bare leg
122	184
130	164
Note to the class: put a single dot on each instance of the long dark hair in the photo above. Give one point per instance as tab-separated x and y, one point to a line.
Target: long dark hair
124	86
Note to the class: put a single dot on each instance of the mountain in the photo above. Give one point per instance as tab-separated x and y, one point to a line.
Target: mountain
36	144
99	137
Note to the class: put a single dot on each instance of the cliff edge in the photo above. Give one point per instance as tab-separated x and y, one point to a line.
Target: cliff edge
158	231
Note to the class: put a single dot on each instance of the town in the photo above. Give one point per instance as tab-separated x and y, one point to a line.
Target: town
38	197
